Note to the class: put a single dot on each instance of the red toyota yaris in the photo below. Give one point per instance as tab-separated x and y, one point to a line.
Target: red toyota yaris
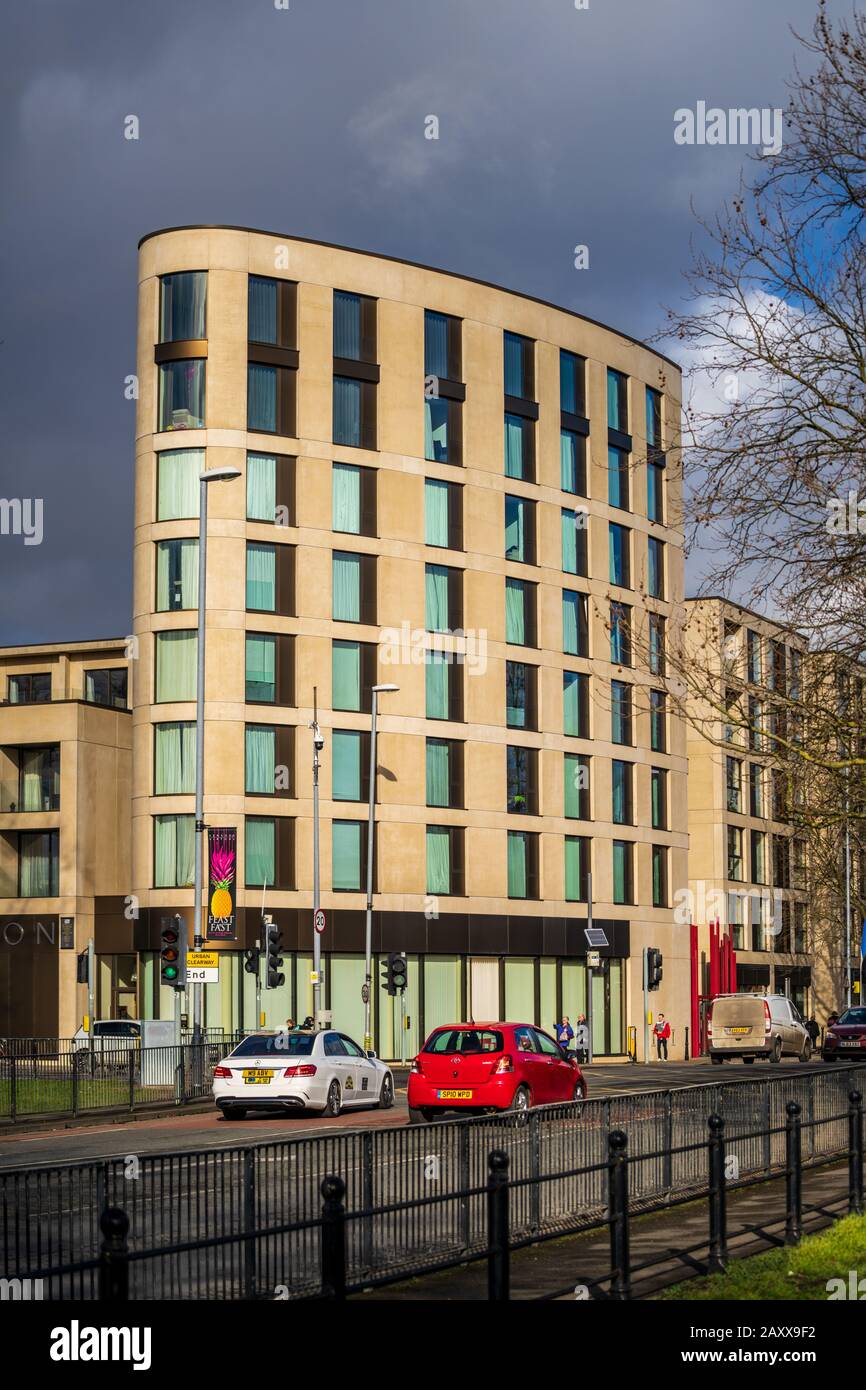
473	1067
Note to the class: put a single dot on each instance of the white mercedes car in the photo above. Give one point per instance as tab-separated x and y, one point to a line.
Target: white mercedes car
300	1070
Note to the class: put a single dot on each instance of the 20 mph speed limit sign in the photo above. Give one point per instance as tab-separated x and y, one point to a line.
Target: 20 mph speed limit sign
319	921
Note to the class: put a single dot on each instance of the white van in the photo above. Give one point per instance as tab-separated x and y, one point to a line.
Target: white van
756	1025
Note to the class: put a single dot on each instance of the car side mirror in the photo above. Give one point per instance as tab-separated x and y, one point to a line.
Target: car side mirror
371	1054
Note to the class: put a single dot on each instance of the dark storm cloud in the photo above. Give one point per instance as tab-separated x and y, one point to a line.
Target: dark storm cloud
556	128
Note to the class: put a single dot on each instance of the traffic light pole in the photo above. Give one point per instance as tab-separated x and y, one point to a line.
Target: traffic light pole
589	970
646	1004
198	934
318	743
259	1019
368	931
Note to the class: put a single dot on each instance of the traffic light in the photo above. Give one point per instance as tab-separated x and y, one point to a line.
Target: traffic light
172	954
273	957
386	977
251	960
394	973
82	970
653	967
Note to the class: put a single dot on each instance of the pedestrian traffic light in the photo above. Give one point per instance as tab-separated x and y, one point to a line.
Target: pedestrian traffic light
251	960
653	967
273	957
172	963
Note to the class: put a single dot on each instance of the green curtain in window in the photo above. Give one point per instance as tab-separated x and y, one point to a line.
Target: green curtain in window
31	779
346	760
262	304
568	460
613	419
346	854
260	852
175	665
515	611
436	583
179	471
346	499
658	881
346	426
174	761
657	800
516	864
38	864
570	624
619	790
346	675
174	851
436	429
515	528
438	755
573	868
347	324
569	541
261	487
260	757
261	577
435	512
513	446
438	859
571	702
437	685
572	785
620	874
514	350
261	398
347	587
261	660
176	574
435	344
182	306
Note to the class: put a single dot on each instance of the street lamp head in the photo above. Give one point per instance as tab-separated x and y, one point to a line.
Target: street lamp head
385	689
219	475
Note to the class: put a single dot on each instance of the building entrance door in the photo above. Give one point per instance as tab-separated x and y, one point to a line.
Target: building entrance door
124	987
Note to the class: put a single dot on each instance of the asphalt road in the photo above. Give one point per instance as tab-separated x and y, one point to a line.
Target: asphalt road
205	1128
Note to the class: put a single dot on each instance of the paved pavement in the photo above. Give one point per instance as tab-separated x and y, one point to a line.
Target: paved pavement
204	1128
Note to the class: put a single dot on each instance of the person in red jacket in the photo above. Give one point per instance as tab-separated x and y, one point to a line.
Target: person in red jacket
661	1033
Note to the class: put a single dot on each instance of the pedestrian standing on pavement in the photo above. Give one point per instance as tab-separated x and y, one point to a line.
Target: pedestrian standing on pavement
661	1033
581	1038
813	1028
564	1032
832	1018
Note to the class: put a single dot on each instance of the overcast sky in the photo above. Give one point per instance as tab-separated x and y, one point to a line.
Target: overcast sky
556	128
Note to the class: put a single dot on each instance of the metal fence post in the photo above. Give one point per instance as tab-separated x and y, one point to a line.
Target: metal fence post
367	1170
464	1179
768	1137
114	1256
498	1273
131	1079
718	1259
793	1174
249	1271
668	1160
333	1238
534	1171
75	1057
617	1188
855	1153
13	1076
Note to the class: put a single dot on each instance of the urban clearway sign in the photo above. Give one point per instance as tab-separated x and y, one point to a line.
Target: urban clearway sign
202	967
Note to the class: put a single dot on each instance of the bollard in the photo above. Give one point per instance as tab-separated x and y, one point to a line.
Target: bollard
333	1238
793	1175
497	1227
855	1153
718	1258
114	1256
617	1188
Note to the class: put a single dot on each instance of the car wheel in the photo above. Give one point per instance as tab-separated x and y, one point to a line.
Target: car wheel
235	1112
776	1053
422	1116
806	1054
521	1100
386	1094
334	1103
748	1061
716	1061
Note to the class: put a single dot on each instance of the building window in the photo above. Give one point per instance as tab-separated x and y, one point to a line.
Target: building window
182	394
758	853
617	478
270	398
443	514
354	327
353	675
620	634
655	568
734	784
653	418
444	772
107	686
574	542
655	483
617	401
269	853
575	701
656	644
620	713
619	547
348	858
658	722
520	695
443	687
269	668
178	486
576	868
353	499
575	623
38	864
735	853
176	575
576	777
271	489
519	529
519	374
753	656
520	612
29	689
354	413
521	771
269	758
175	665
350	757
519	447
622	812
522	864
572	462
354	407
572	371
173	851
757	731
444	860
443	388
182	306
623	874
660	876
354	587
443	598
271	312
659	798
174	758
270	578
37	786
756	790
272	359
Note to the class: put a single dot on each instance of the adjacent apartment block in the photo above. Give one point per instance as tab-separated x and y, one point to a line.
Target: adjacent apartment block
447	486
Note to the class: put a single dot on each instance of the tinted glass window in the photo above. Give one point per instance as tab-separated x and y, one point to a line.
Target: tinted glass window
525	1040
852	1017
547	1045
276	1045
352	1047
334	1045
465	1040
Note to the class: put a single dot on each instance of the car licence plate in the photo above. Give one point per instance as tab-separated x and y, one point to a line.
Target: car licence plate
850	1042
253	1077
454	1095
738	1030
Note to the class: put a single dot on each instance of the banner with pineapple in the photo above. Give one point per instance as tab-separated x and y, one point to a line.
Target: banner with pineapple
222	858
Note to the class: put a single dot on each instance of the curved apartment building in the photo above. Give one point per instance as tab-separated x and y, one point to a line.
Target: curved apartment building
447	486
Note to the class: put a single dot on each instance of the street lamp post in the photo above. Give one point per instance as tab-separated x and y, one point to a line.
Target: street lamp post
318	745
211	475
368	954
